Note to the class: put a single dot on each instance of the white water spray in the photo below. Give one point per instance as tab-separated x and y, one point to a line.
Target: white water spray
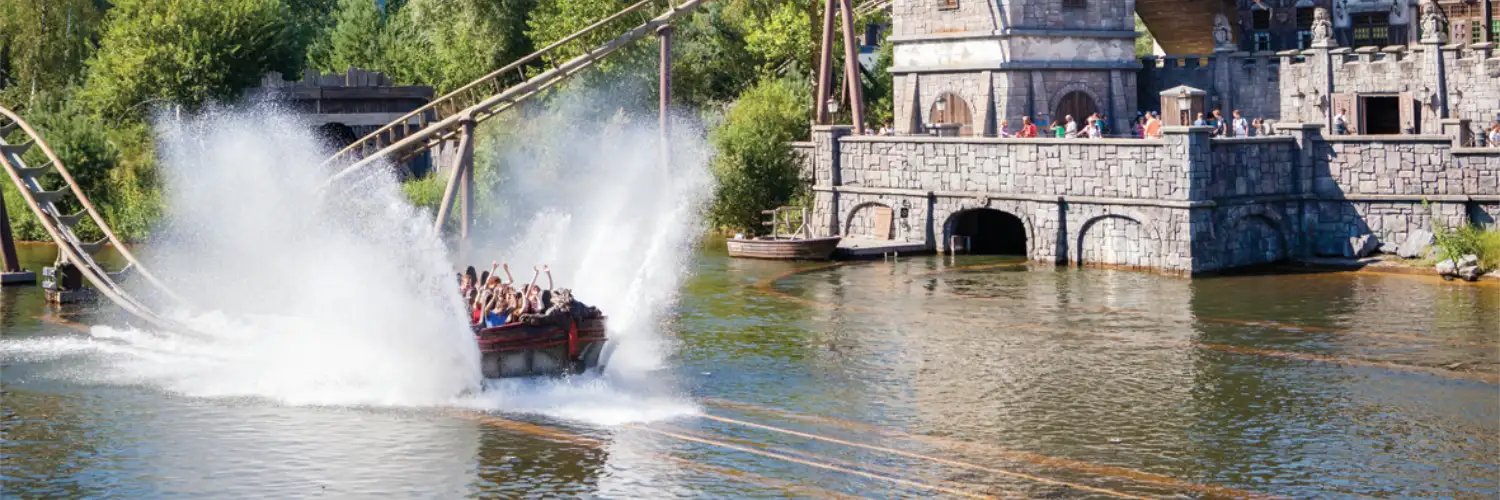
354	302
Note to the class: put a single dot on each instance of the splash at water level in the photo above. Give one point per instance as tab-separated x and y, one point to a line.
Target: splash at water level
354	301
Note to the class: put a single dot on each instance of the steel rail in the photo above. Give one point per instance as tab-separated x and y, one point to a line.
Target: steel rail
454	101
423	139
88	206
42	203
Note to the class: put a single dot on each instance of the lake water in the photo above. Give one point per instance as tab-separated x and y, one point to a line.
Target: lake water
976	377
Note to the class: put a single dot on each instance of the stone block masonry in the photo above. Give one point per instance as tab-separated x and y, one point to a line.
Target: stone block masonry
1185	204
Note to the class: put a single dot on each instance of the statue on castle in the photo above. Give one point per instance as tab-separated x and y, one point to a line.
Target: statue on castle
1322	29
1433	22
1223	38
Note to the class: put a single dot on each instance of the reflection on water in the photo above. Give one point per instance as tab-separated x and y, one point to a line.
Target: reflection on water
919	377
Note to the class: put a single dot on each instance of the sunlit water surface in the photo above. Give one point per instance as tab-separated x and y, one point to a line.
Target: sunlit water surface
924	377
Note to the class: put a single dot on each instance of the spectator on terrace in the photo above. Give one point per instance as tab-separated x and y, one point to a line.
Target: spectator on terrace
1200	122
1241	126
1060	130
1153	126
1341	123
1494	135
1101	126
1218	123
1138	129
1004	129
1028	129
1071	128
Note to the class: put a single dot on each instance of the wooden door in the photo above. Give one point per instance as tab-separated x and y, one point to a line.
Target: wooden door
1077	104
950	108
1349	104
882	223
1409	114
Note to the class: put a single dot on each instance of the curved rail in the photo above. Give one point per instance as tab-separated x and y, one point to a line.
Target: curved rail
43	203
486	98
467	95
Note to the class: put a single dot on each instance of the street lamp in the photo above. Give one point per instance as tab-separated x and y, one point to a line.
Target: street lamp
1184	106
833	106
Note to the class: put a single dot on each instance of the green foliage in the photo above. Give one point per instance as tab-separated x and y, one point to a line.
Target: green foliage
426	192
44	43
554	20
709	60
880	89
355	37
188	52
1468	239
1145	43
755	167
467	39
784	37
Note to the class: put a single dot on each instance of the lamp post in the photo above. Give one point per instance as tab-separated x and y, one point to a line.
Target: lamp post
832	105
1184	107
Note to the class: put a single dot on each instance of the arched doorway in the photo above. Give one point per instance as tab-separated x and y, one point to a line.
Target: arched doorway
336	135
950	108
1077	104
990	232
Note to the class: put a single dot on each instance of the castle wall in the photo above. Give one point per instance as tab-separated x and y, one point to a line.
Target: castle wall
1185	204
1472	76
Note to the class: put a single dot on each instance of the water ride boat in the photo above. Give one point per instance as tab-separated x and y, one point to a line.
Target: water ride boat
524	350
568	339
786	242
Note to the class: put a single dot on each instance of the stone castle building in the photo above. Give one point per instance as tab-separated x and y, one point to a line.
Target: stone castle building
1188	202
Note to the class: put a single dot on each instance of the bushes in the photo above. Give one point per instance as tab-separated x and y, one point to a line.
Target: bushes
755	167
1469	239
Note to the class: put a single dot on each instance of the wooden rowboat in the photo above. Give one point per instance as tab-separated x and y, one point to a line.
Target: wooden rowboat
784	248
521	350
790	239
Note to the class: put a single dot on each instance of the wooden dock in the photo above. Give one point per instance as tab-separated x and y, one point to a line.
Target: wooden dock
863	248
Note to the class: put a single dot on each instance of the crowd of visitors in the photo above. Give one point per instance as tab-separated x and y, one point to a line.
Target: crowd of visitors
1148	125
495	302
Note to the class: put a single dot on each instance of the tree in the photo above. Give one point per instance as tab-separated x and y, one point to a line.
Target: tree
355	38
1145	44
45	43
467	39
782	38
755	167
709	60
188	52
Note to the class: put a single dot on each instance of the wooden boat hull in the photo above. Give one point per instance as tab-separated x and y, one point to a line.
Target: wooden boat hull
520	350
784	249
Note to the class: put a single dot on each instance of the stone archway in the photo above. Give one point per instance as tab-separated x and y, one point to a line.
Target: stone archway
866	219
1117	240
989	231
336	136
1078	104
950	108
1252	240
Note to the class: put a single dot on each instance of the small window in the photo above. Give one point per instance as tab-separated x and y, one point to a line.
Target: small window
1262	42
1305	18
1075	4
1372	29
948	4
1304	39
1260	19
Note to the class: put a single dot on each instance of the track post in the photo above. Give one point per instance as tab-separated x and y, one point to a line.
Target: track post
825	65
10	265
851	69
664	36
466	165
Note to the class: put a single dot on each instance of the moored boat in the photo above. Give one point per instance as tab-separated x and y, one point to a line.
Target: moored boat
789	239
556	348
784	248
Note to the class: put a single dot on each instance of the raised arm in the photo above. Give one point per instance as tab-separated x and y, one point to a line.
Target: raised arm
548	269
508	278
536	273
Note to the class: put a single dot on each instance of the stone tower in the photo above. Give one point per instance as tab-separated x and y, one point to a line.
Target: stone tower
963	66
